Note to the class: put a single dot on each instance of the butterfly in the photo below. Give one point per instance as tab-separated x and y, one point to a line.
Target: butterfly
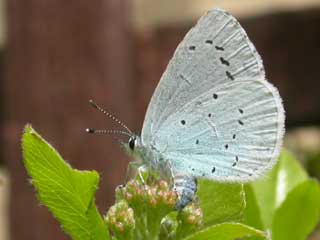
213	114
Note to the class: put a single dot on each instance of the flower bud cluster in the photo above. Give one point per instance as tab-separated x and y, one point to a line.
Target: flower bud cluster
155	195
189	220
147	211
120	219
191	214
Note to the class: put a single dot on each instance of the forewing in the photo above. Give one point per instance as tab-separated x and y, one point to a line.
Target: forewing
215	51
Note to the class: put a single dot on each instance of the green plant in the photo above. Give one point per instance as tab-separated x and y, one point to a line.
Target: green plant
284	205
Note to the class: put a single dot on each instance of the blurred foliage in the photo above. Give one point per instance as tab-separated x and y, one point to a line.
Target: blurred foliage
277	203
285	204
313	164
304	142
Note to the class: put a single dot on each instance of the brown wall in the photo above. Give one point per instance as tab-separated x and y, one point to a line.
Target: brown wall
60	54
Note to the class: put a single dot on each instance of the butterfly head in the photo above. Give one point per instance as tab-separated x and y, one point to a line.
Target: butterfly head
133	146
132	142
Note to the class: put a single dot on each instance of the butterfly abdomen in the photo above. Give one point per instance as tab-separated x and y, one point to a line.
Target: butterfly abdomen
186	188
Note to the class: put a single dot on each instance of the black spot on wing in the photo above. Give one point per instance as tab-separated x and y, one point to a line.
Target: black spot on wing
215	96
229	75
219	48
235	162
225	62
183	122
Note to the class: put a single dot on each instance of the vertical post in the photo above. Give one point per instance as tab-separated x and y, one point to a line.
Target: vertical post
61	54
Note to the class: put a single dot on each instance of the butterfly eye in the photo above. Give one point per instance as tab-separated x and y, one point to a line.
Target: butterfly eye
132	143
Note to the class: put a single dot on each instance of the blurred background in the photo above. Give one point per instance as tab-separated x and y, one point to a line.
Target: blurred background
56	55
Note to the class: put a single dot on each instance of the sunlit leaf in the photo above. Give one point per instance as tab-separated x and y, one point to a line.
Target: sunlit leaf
221	202
226	231
68	193
272	190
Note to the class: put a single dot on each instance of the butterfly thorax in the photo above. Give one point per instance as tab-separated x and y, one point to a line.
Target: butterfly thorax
153	160
148	156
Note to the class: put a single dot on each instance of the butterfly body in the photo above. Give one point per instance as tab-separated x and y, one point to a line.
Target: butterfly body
148	157
213	114
151	159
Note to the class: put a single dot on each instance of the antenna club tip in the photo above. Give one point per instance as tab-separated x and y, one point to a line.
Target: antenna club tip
93	103
89	130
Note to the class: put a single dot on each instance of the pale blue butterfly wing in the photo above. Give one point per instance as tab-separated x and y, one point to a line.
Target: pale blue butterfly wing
213	114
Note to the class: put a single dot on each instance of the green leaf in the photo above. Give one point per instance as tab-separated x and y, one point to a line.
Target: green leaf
221	202
68	193
226	231
252	216
271	191
299	213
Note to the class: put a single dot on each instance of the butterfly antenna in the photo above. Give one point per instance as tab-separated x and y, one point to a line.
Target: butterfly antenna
110	116
98	131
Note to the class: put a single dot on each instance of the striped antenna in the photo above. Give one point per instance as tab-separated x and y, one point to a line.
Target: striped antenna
98	131
110	116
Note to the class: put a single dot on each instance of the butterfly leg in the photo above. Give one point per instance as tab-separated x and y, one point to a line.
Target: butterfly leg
166	171
186	188
142	171
134	169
